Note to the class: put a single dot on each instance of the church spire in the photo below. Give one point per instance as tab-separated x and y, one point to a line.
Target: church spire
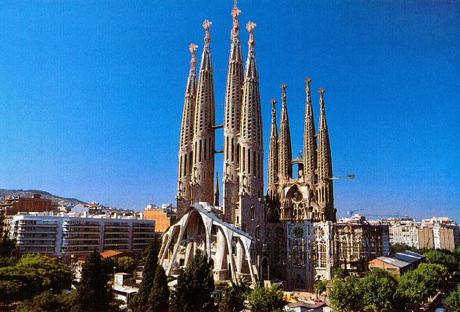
273	155
186	136
232	118
309	140
203	138
284	146
325	187
251	145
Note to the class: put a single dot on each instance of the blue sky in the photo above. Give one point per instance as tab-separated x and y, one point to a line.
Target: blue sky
91	94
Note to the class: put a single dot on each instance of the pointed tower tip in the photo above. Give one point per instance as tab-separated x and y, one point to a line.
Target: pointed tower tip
236	25
308	81
283	93
235	11
250	26
192	48
321	99
207	38
273	101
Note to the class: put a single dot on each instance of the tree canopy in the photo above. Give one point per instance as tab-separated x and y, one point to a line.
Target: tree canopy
93	294
263	299
442	257
47	301
31	275
159	294
195	287
416	286
139	302
453	300
233	298
377	291
345	294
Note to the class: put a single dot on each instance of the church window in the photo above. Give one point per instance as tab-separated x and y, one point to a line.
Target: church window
205	148
249	161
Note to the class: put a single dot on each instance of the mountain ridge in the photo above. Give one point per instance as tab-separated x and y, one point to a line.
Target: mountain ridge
29	192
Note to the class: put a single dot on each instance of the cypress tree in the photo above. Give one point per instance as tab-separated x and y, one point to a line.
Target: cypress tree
140	301
195	287
159	295
93	295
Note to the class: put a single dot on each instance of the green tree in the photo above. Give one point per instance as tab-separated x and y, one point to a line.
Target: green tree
416	286
319	287
263	299
442	257
195	287
139	302
453	300
159	294
31	275
125	264
47	301
339	273
233	298
93	293
345	294
378	290
7	245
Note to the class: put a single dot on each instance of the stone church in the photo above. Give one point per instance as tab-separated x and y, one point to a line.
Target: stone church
286	235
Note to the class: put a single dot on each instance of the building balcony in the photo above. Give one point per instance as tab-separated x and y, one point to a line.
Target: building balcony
80	244
116	232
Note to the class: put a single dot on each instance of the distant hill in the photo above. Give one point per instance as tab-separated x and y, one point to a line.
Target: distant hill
29	193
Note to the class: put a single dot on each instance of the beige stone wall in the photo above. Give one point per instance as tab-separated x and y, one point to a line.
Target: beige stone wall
425	238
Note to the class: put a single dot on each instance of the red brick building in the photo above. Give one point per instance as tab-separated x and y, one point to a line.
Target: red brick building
36	203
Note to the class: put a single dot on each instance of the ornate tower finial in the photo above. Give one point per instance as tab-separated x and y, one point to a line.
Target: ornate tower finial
235	11
307	88
250	26
283	93
236	25
207	38
321	92
273	101
192	48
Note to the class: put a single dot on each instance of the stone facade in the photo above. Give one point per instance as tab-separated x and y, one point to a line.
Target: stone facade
359	241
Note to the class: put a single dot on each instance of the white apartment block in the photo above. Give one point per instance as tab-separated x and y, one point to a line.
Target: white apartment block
65	235
405	232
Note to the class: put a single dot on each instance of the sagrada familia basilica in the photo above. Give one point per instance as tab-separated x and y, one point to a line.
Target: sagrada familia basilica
286	235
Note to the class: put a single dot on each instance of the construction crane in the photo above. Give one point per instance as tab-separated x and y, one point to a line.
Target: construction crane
396	215
350	176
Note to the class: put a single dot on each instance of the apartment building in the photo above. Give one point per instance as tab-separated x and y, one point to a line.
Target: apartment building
434	233
163	216
17	204
66	234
